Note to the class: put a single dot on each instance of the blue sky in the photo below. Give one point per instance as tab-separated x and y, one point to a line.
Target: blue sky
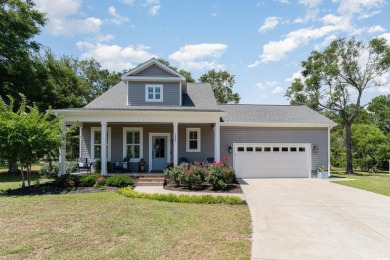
261	42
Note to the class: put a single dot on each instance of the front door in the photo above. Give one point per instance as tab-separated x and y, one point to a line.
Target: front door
159	153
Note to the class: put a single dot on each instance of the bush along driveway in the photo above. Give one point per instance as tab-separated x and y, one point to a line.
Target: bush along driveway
316	219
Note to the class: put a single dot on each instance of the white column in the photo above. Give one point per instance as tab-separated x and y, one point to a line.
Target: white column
329	151
175	143
80	138
63	151
217	146
104	148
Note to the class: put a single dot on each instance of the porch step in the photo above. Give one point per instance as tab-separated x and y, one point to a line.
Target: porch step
150	181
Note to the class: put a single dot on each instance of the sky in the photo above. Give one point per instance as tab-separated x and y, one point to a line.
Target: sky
262	43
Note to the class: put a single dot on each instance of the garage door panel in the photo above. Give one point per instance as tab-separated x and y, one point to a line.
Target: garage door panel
250	163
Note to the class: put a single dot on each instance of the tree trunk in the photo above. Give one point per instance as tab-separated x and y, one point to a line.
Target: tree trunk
28	175
348	144
23	184
12	166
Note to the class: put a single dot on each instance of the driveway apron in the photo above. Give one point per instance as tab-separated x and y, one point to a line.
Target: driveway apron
316	219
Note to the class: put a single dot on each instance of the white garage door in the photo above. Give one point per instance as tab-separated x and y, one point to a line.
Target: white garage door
272	160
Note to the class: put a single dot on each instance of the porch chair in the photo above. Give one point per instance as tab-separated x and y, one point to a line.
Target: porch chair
183	160
210	160
83	164
123	166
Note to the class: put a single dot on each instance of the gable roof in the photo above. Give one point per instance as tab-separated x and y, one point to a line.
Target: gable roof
136	73
273	114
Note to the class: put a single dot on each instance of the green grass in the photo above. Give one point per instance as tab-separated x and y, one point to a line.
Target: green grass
110	226
14	181
35	167
378	183
203	199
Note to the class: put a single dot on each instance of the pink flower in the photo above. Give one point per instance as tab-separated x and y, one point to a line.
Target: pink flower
224	159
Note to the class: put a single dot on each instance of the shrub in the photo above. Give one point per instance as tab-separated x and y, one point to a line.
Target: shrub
203	199
50	170
88	180
219	175
100	181
67	180
190	175
119	181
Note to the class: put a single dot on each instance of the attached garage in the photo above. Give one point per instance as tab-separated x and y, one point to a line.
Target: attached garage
266	160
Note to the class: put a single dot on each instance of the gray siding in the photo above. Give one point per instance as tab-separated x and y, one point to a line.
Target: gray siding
314	136
154	71
171	94
206	145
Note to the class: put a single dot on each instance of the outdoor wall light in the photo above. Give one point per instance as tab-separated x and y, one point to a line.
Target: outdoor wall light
230	149
315	148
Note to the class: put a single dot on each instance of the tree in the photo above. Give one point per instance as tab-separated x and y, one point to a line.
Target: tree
380	108
19	24
336	78
27	134
222	83
185	73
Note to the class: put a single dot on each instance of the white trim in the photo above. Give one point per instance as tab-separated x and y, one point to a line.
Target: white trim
154	86
93	129
217	141
255	124
175	143
168	135
149	63
188	150
329	151
141	136
127	93
306	145
80	140
181	94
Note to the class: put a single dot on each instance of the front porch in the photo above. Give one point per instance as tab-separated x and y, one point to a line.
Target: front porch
157	143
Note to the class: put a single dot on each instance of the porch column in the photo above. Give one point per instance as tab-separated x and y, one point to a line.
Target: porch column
104	148
175	143
62	158
80	138
217	147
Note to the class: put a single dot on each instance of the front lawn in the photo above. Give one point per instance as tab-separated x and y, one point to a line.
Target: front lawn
110	226
378	183
14	181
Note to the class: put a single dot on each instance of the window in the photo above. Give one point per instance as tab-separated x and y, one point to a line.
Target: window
240	149
154	93
259	149
132	143
276	149
193	139
96	143
267	149
249	149
301	149
293	149
284	149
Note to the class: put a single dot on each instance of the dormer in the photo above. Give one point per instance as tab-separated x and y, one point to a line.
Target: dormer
154	84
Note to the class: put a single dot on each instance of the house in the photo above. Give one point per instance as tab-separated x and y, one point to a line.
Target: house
155	115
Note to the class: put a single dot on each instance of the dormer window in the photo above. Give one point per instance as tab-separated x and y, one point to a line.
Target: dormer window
153	93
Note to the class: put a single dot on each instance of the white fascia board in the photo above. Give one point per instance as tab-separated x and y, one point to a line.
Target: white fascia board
254	124
152	79
148	64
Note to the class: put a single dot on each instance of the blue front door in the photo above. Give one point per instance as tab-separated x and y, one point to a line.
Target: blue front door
159	153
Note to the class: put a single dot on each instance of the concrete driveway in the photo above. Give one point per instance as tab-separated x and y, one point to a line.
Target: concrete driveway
316	219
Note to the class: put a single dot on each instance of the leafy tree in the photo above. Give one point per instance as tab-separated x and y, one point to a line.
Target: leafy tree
336	77
222	83
380	108
19	24
366	139
27	134
185	73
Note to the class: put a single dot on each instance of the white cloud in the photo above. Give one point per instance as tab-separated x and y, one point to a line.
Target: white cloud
328	40
376	28
269	23
116	18
154	6
188	56
362	7
295	75
283	1
273	86
129	2
312	10
60	23
386	36
115	57
214	14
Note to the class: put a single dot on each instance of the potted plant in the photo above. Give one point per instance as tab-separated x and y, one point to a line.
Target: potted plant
322	173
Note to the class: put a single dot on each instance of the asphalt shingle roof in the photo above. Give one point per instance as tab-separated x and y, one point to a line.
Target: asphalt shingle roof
200	97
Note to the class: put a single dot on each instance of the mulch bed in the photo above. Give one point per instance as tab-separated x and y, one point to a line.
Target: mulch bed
232	188
49	188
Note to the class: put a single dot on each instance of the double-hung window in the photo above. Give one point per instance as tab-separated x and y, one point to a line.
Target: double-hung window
96	143
154	93
132	143
193	139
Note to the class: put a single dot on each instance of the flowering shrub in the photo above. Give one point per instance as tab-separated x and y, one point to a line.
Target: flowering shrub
88	180
191	175
99	182
219	175
66	180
